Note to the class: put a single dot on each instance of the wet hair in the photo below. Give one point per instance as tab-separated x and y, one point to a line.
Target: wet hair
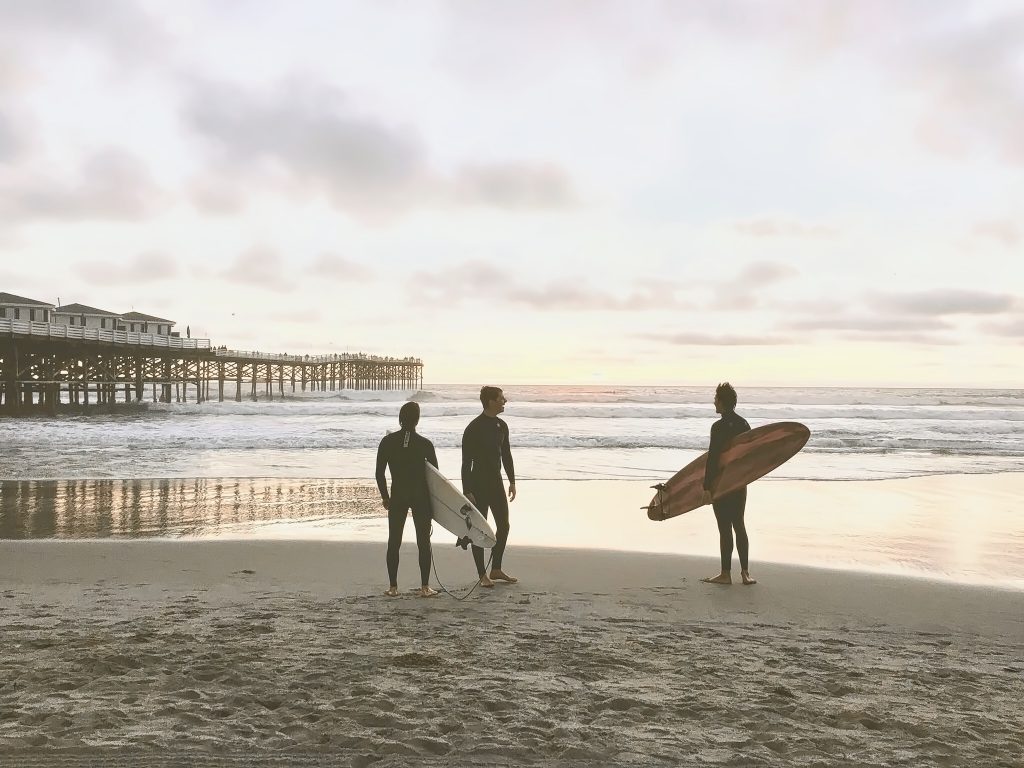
489	393
726	395
409	415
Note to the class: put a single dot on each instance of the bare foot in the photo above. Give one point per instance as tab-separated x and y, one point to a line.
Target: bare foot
485	581
391	592
426	591
722	578
746	579
500	575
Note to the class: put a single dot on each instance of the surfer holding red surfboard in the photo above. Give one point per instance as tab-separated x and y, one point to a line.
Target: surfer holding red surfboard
737	456
729	509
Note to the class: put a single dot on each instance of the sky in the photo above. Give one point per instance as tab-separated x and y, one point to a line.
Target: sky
683	192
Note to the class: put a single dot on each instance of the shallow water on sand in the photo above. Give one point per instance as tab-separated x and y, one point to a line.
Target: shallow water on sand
959	528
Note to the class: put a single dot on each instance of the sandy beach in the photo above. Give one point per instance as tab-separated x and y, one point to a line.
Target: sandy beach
286	653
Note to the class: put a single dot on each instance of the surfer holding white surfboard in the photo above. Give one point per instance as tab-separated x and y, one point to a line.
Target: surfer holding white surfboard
485	450
729	509
405	453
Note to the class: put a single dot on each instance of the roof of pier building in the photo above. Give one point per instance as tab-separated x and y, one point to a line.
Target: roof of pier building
82	309
9	299
139	317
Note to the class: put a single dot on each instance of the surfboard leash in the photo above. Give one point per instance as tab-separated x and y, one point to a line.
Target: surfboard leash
433	565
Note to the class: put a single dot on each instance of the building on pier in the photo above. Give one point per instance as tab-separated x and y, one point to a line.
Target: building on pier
19	308
82	316
47	366
138	322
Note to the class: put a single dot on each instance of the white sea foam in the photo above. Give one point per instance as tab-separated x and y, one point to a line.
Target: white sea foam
568	432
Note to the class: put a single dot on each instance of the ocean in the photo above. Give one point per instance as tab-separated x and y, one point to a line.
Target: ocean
258	468
558	433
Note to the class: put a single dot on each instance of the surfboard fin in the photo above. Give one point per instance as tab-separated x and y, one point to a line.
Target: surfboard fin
462	542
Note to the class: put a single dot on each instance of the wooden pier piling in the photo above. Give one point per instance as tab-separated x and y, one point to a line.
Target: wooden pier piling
47	368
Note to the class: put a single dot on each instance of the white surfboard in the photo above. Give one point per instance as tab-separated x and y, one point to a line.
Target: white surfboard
454	512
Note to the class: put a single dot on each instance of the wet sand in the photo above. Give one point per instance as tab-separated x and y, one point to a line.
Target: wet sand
286	653
960	528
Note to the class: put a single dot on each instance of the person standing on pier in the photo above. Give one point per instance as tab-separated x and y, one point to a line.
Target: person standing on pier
485	450
404	453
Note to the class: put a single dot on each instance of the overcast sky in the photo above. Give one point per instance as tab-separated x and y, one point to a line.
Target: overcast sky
583	192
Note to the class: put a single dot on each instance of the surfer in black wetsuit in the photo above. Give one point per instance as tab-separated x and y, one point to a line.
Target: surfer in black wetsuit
404	452
728	509
485	450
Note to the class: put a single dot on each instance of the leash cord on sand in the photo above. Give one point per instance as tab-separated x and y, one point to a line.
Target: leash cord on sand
433	564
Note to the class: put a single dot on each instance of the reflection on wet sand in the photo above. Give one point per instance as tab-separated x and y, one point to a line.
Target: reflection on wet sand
66	509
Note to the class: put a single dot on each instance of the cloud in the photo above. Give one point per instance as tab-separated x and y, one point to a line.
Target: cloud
470	278
743	291
260	267
310	139
12	139
121	28
299	316
969	68
786	228
961	59
339	268
944	302
874	324
515	185
559	295
216	195
11	75
1006	231
715	340
148	267
484	282
761	273
1013	328
113	185
314	136
874	328
902	338
913	317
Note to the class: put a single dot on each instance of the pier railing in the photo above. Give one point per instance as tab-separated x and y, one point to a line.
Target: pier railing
343	357
23	328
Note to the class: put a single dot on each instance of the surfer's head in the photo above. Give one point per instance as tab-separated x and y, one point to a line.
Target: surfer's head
409	415
725	398
492	399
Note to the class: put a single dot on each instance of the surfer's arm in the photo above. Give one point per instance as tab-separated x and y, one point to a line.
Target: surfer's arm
714	451
382	483
506	456
468	451
432	455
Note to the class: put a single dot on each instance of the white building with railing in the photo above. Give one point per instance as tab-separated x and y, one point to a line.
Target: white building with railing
29	310
82	316
21	316
138	322
24	328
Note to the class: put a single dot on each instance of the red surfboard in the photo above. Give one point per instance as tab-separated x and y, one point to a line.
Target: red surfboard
749	456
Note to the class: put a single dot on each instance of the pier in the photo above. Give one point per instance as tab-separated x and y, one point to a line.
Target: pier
46	367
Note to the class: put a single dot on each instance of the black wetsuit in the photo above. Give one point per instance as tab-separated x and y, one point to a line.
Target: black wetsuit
404	452
485	450
728	509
